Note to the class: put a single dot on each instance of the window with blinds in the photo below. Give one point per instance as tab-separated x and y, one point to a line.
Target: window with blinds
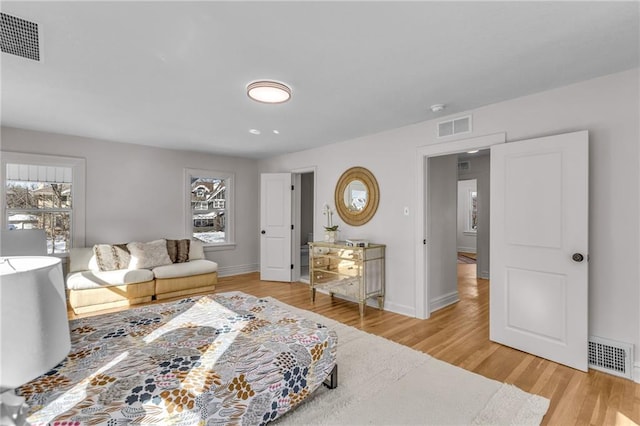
40	197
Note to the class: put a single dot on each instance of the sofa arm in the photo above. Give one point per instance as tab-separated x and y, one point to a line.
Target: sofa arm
81	259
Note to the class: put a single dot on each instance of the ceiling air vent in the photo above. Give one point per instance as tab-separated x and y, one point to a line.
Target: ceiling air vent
610	357
464	165
19	37
455	126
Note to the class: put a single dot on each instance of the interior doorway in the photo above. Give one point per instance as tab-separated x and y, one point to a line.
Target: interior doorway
304	208
436	248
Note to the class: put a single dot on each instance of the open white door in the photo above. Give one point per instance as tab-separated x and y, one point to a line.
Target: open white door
539	247
275	225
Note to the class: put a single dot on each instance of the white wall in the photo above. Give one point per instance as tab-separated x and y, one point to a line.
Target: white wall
466	240
441	236
136	192
607	107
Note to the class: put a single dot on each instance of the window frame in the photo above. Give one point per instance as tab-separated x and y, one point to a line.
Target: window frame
469	225
229	179
78	189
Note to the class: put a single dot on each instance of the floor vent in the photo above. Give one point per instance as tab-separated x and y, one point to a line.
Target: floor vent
610	356
19	37
455	126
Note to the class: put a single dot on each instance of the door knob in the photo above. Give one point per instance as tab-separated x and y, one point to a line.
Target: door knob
263	232
577	257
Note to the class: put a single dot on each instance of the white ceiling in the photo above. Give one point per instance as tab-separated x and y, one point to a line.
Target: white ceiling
173	74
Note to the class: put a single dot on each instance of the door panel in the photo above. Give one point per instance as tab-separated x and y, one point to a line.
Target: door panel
539	218
275	226
534	200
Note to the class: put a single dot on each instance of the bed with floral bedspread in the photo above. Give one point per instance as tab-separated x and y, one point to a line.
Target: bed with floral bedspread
228	358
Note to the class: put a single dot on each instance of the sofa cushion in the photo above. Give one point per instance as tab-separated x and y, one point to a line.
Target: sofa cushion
178	250
148	255
110	257
193	267
96	279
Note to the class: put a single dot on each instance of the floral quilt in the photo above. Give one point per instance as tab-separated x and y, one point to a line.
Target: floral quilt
228	358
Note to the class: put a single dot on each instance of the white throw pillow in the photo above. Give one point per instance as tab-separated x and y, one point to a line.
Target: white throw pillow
148	255
196	250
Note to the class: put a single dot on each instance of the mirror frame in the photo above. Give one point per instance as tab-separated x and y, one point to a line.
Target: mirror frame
373	196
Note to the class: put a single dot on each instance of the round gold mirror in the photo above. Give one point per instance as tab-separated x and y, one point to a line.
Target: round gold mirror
357	196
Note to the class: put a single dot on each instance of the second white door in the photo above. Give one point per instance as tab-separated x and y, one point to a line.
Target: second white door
539	247
275	227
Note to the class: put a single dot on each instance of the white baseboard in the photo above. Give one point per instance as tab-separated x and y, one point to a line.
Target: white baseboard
397	308
227	271
636	372
443	301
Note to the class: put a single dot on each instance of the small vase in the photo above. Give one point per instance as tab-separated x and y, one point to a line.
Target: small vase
330	236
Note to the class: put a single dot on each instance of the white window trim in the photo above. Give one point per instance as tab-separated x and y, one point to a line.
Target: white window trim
230	207
78	188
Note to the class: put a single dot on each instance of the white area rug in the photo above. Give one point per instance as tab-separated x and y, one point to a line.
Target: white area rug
384	383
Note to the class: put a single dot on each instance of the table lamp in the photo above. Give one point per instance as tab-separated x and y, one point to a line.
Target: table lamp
34	327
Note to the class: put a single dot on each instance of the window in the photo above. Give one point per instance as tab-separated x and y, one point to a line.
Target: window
45	192
472	215
209	204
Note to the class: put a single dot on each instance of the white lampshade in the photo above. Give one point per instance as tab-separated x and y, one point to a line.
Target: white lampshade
33	313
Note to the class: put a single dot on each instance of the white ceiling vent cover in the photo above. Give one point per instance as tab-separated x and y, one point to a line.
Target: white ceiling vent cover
610	356
454	126
19	37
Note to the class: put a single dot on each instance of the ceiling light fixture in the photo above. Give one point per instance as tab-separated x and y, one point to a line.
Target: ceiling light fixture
269	92
473	152
277	132
254	131
437	107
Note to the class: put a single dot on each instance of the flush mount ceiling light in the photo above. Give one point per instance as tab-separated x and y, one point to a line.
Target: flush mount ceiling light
269	92
437	107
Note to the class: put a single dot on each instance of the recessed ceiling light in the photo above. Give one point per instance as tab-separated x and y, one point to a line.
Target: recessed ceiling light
473	152
269	92
437	107
277	132
254	131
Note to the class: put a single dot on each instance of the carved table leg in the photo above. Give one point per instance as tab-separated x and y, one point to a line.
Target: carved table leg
381	302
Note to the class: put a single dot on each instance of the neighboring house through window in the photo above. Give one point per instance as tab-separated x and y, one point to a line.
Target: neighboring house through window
45	192
209	204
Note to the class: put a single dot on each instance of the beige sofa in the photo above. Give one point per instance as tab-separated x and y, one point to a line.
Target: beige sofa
89	288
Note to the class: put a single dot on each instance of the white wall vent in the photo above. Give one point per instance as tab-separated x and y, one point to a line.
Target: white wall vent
611	357
464	165
19	37
454	126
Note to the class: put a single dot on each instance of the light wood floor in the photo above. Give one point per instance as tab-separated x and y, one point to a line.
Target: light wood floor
459	334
